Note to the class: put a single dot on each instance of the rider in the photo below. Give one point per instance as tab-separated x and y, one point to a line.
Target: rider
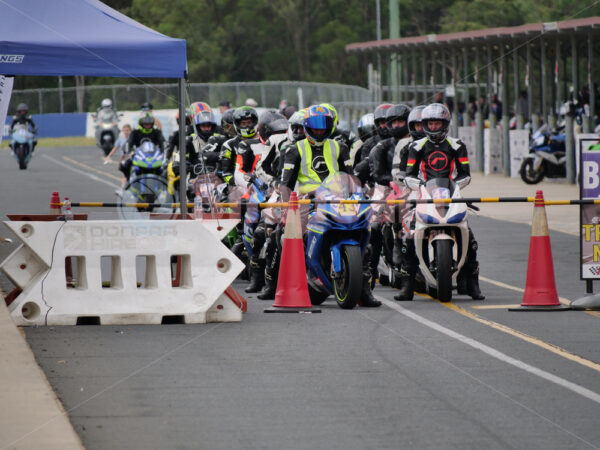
449	153
147	107
239	156
381	160
415	129
22	117
272	129
146	130
362	168
366	129
314	159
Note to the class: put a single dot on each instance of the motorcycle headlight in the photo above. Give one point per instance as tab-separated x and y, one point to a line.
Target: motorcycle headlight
426	218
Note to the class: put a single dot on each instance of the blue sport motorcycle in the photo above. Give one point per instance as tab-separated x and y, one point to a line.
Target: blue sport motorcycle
546	157
146	182
336	239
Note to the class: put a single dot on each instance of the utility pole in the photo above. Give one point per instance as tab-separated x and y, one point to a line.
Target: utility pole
394	34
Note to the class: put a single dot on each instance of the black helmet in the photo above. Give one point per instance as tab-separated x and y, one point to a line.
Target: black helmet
146	123
379	118
22	107
366	127
434	112
245	112
271	123
297	125
413	118
146	106
397	112
227	122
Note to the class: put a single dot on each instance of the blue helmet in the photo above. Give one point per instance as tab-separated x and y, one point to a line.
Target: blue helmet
318	124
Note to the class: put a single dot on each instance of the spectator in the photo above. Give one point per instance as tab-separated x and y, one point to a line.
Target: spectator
497	107
224	106
522	106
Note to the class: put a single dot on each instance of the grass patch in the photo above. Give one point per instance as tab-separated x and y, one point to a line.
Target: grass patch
75	141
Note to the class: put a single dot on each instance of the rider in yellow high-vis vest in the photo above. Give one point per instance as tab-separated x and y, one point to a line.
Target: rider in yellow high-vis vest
312	160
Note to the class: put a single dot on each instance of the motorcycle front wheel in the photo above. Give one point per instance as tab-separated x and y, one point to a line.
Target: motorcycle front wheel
348	286
529	175
22	156
443	257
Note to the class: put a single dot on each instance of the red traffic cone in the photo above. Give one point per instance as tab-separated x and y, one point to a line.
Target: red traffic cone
540	289
54	203
292	288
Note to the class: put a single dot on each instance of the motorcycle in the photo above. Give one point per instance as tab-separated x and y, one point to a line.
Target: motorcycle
22	144
336	238
107	129
546	157
146	183
441	234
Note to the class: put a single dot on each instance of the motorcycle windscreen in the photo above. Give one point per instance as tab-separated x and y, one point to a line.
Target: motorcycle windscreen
341	186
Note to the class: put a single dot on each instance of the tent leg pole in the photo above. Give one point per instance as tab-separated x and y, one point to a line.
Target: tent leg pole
182	149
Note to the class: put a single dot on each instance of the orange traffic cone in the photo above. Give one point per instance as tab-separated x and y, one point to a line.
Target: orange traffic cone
540	289
292	288
54	203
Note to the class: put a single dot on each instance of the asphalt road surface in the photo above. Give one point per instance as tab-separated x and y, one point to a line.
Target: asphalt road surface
420	374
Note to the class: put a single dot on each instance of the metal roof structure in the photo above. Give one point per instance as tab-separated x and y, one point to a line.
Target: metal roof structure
480	36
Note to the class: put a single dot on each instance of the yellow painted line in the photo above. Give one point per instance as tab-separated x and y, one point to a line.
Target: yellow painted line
85	166
494	306
564	301
525	337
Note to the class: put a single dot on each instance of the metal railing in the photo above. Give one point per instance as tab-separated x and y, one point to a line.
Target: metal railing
164	96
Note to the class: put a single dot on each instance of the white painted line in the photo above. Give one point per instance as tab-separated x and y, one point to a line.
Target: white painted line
584	392
81	172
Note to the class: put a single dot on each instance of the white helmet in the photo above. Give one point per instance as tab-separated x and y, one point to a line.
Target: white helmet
251	102
106	103
436	111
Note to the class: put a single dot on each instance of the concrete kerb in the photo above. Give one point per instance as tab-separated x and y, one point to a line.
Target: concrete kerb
35	418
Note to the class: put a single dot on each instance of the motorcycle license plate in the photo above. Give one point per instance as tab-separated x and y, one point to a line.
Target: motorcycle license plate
347	210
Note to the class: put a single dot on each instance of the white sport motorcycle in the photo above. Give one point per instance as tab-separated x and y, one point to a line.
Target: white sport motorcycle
441	234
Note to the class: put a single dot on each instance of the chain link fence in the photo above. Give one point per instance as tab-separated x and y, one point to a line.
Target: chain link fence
267	94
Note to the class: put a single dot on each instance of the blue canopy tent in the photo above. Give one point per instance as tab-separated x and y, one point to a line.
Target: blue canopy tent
86	37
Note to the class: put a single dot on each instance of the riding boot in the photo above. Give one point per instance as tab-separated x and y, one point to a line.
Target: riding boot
270	287
397	253
238	250
461	284
376	243
473	285
471	270
257	277
366	296
407	283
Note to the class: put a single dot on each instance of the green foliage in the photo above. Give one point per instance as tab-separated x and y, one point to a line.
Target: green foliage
247	40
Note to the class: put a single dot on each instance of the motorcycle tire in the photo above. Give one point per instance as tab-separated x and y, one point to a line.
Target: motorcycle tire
348	287
443	257
22	157
316	297
107	146
384	280
527	173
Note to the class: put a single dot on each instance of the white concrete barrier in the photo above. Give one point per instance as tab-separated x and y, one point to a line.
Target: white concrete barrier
467	135
117	272
492	151
519	149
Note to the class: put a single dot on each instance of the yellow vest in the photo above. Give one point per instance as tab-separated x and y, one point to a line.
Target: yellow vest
308	179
